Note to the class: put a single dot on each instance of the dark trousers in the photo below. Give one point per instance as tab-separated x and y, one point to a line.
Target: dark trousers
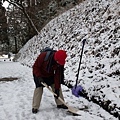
48	80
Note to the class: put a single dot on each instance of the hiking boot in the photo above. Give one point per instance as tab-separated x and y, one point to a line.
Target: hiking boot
62	106
34	110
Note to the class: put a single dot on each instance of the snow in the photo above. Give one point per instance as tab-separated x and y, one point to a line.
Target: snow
98	22
16	98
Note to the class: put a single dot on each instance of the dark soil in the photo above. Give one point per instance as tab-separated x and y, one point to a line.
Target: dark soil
8	79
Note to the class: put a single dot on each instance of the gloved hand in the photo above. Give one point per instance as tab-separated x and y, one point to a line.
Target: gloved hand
40	80
57	93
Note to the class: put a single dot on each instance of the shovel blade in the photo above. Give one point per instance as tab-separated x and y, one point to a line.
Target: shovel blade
75	111
76	90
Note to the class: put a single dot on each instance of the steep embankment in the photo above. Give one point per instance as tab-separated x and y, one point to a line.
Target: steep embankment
98	21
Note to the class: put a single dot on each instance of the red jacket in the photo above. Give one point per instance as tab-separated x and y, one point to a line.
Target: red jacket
40	70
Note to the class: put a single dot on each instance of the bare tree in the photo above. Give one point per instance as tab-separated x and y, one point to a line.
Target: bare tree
22	6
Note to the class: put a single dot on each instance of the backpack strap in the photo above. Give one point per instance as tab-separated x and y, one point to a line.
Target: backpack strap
49	52
47	55
50	61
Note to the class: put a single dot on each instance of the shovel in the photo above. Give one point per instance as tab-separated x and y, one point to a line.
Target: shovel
76	90
72	110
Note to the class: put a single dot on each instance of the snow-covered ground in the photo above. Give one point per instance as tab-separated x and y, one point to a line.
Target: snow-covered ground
16	98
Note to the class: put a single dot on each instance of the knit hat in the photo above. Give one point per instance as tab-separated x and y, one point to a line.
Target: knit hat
60	57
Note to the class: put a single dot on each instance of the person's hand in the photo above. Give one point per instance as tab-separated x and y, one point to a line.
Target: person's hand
40	80
57	93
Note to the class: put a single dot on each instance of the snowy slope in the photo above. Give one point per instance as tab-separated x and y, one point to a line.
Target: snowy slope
98	22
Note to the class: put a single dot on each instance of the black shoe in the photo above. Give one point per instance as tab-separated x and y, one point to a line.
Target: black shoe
34	110
62	106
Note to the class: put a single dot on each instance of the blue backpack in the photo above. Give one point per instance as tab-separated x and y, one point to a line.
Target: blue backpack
49	51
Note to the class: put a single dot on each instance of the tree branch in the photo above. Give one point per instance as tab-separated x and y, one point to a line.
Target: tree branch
22	8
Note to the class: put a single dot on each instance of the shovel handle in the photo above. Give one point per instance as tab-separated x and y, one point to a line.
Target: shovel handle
70	109
80	62
44	84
